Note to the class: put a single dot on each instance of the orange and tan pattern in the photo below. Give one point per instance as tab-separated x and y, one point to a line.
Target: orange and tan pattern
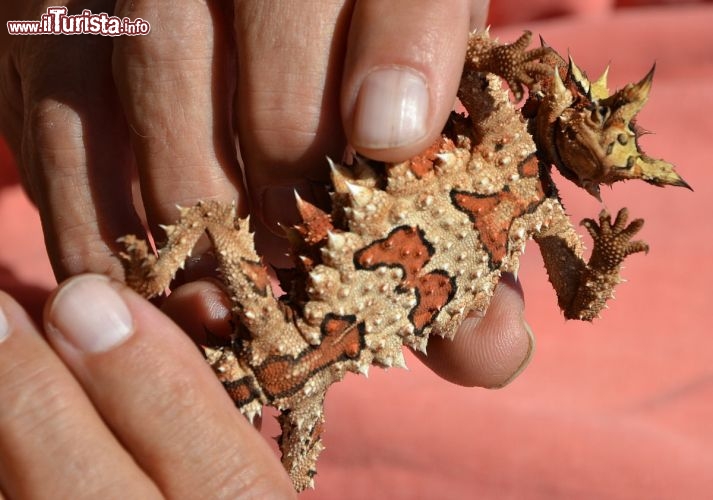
407	250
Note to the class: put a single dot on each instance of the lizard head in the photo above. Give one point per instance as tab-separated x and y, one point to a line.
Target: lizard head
596	138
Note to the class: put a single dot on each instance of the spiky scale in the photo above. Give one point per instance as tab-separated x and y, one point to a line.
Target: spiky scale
408	249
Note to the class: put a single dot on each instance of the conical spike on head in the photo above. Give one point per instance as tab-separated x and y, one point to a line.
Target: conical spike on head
578	76
628	160
560	89
599	87
643	87
657	172
608	134
629	100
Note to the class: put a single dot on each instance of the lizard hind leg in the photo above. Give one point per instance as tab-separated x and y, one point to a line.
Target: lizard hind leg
612	244
151	274
301	421
583	288
301	442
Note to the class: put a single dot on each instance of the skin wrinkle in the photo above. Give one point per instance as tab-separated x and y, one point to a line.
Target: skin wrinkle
50	402
31	371
299	157
161	135
262	26
70	149
42	121
70	430
168	155
67	182
308	110
143	53
175	378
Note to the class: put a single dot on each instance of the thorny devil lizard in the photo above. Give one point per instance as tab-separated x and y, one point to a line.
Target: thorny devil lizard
410	248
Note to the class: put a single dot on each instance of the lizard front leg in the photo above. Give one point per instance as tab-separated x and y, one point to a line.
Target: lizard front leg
513	62
584	287
273	362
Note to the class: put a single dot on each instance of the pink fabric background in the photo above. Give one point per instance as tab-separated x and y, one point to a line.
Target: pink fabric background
622	408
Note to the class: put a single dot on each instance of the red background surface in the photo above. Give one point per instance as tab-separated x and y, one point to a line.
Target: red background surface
622	408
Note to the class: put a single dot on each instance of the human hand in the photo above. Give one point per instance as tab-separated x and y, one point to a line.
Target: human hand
283	78
172	104
118	403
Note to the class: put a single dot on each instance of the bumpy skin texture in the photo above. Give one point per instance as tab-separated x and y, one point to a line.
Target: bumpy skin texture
410	248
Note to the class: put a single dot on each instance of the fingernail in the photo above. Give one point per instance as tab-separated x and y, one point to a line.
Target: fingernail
391	109
4	326
526	360
90	314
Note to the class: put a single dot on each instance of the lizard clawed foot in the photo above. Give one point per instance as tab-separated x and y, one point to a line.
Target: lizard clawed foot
518	66
599	278
139	262
612	242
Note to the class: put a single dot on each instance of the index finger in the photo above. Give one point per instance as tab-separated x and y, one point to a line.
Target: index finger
403	65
